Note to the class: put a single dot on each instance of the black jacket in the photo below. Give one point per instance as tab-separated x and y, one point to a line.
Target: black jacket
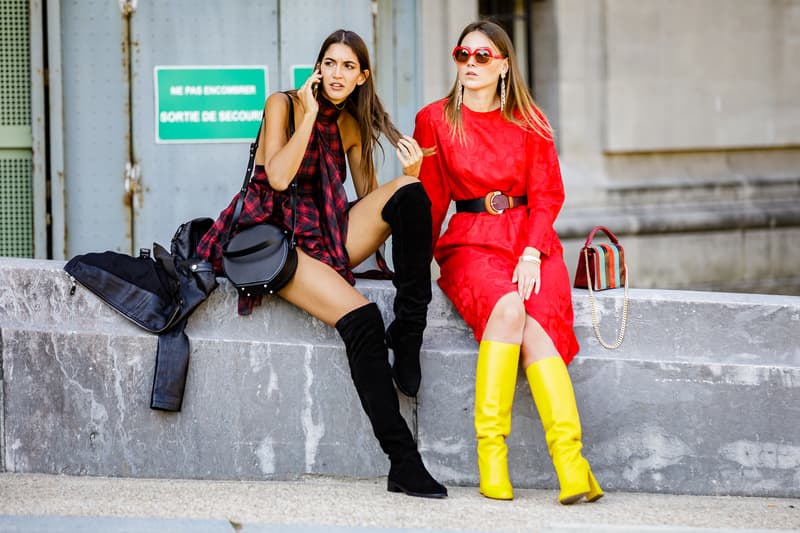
158	294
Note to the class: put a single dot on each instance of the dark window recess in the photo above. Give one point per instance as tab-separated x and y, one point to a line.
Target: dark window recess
515	17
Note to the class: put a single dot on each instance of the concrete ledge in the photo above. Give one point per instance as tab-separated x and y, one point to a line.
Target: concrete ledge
696	401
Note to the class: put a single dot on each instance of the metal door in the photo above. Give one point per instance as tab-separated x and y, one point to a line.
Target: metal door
96	133
182	181
109	49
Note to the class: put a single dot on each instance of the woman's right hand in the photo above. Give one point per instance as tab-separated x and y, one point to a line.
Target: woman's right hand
307	96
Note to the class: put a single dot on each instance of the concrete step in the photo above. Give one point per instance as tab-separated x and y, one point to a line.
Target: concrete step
696	401
316	504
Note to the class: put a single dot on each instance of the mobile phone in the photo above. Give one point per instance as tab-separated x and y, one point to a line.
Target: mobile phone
315	85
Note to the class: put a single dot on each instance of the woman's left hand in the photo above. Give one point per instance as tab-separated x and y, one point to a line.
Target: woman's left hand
528	277
410	155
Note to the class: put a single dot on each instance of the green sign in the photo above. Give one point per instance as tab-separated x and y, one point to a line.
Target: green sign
209	104
300	73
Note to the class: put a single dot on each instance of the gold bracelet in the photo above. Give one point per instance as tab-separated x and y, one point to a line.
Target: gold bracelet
530	259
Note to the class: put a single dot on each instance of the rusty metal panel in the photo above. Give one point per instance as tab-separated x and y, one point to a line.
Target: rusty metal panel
305	24
108	60
95	128
180	181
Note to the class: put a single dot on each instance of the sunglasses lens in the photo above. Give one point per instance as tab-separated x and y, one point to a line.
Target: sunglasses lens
483	56
461	55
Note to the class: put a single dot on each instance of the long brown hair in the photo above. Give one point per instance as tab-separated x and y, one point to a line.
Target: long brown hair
518	96
363	104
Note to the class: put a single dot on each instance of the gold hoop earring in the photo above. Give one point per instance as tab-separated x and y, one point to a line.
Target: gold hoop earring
459	94
502	91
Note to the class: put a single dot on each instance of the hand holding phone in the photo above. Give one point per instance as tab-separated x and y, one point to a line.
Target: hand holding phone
308	92
316	76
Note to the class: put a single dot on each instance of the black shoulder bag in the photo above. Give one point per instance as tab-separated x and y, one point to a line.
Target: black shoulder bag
260	259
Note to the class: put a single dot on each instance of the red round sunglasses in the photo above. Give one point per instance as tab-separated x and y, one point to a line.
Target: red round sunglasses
483	55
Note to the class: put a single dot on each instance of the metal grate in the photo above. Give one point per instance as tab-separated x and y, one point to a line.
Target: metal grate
15	66
16	170
16	198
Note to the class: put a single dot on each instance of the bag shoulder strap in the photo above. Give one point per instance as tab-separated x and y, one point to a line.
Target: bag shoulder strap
248	176
592	303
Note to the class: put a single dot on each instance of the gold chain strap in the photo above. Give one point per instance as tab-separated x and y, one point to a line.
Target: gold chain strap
595	322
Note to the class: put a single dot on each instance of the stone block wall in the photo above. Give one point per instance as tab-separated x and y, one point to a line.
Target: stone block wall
695	401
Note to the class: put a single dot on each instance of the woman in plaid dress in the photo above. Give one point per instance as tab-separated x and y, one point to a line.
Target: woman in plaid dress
338	119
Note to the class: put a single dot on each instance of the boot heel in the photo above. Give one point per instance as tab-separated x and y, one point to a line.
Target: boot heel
391	486
595	492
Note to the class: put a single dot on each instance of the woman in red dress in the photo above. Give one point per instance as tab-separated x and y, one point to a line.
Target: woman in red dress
336	115
500	258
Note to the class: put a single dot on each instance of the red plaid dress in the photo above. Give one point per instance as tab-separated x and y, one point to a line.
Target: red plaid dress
321	228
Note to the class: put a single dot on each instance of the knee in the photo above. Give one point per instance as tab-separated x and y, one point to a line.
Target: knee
408	202
510	312
361	323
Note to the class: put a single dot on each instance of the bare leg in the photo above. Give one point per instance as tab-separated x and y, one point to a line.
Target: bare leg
507	321
367	228
320	291
536	343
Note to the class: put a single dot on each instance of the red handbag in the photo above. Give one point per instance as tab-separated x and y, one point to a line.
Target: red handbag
600	267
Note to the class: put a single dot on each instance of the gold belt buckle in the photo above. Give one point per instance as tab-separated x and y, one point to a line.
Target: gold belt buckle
488	202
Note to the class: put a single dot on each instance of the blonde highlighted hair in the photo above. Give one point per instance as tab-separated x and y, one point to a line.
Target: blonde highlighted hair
519	101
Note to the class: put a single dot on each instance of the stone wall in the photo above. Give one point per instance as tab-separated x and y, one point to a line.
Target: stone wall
695	401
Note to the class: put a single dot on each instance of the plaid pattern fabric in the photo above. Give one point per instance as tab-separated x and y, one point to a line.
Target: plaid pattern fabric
321	210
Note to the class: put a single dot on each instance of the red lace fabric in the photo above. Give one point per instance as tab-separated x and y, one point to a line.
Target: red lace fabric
478	251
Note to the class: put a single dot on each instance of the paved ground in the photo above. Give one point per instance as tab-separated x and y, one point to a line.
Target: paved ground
62	504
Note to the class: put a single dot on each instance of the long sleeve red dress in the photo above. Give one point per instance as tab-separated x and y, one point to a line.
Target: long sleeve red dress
478	252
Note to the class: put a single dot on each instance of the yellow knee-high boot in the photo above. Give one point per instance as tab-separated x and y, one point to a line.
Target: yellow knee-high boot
495	380
555	400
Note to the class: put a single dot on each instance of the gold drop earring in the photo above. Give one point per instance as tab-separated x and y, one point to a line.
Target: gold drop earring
459	94
502	91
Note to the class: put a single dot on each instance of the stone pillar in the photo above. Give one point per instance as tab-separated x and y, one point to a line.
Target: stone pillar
442	23
678	125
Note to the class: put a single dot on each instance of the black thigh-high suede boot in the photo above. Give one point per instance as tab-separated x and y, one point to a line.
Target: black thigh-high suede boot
362	332
408	213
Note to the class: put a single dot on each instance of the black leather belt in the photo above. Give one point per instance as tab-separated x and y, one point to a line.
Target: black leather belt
493	203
